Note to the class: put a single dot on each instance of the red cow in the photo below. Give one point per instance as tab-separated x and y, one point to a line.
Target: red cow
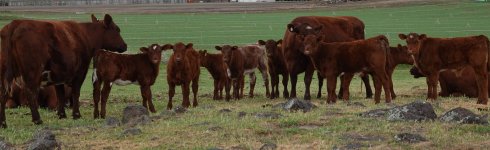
217	68
333	59
242	61
276	66
40	53
182	69
337	29
433	55
46	98
123	69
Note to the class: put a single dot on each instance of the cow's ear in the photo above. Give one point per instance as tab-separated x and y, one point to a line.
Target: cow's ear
261	42
167	47
144	49
189	45
402	36
292	28
318	30
279	42
94	19
218	48
400	46
234	48
107	20
422	37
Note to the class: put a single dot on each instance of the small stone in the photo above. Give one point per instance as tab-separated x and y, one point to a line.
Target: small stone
295	104
268	146
224	110
463	116
132	131
44	139
409	138
180	109
111	122
268	115
241	114
416	111
135	114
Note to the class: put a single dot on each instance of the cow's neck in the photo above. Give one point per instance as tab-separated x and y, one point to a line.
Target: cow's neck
93	31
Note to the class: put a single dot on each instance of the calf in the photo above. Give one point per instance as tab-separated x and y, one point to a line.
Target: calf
124	69
276	66
182	69
217	68
333	59
238	66
46	98
433	55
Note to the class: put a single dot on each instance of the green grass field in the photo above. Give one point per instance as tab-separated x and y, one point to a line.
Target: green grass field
206	30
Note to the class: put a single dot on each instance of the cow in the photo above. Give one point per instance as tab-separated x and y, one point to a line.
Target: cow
182	69
217	68
333	59
124	69
276	66
42	53
461	82
46	98
433	55
243	61
337	29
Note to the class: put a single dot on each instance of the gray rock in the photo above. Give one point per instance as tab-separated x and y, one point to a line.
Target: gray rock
224	110
416	111
180	109
241	114
4	145
296	105
44	140
112	122
463	116
352	146
132	131
268	146
409	138
377	113
267	115
135	115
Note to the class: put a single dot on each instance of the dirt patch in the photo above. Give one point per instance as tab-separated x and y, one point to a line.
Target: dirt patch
219	7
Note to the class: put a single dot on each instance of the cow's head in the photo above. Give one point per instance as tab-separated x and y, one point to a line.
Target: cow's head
180	50
203	56
154	52
227	52
401	54
413	42
110	37
311	43
415	72
271	46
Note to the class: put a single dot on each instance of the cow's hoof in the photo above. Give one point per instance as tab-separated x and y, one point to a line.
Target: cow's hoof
61	115
3	125
76	116
37	122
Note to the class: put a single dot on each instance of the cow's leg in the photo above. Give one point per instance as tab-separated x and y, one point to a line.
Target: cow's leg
341	94
377	88
220	89
369	91
96	96
106	90
185	94
3	101
285	78
241	86
482	77
215	91
195	88
308	77
320	85
346	83
385	81
432	80
60	93
227	89
294	80
390	80
171	93
31	94
331	84
253	80
274	85
444	89
265	77
146	93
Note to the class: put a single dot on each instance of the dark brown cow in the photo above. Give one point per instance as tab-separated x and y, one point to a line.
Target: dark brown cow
46	98
276	66
333	59
433	55
336	29
182	69
461	82
242	61
124	69
217	68
41	53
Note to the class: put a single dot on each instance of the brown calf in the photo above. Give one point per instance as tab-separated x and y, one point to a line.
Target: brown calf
123	69
333	59
433	55
276	66
182	69
217	68
242	61
41	53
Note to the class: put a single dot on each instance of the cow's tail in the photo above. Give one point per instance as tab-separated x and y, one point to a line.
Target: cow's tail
385	46
488	51
8	72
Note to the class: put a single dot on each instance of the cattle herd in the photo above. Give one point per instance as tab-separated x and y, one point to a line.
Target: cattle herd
45	63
